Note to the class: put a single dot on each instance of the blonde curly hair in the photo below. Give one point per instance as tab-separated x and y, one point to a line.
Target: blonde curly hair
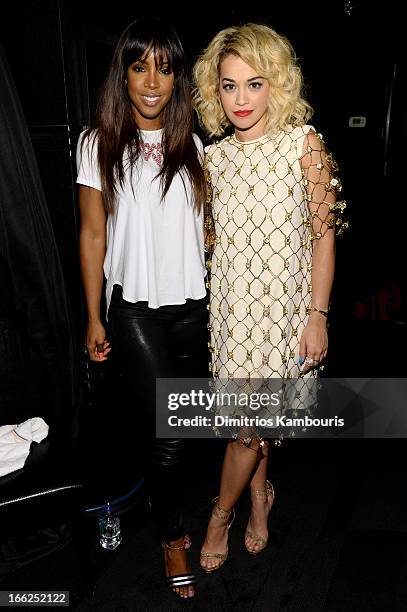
273	58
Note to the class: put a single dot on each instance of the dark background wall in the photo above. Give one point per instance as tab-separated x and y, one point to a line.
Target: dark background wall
350	54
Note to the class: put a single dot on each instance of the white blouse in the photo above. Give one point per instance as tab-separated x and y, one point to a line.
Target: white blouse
155	247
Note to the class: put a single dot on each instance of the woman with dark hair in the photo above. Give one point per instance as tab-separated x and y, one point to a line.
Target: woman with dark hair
141	191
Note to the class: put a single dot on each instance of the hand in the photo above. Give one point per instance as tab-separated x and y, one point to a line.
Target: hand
96	343
314	341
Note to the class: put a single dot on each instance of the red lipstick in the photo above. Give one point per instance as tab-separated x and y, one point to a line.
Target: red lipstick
243	113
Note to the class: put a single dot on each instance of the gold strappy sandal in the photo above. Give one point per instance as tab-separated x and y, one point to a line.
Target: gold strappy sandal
223	515
263	493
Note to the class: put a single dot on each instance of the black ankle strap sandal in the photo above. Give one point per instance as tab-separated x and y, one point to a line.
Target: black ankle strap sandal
179	580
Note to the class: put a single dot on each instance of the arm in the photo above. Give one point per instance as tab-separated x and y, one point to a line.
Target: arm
321	189
92	247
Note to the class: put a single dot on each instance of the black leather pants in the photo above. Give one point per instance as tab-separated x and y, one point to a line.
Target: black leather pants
167	342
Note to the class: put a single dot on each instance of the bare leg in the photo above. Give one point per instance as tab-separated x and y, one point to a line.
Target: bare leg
238	466
260	475
261	506
176	562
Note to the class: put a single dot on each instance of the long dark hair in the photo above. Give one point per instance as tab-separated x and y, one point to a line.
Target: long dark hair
115	125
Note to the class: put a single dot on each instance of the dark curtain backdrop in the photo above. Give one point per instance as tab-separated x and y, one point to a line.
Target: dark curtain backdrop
36	341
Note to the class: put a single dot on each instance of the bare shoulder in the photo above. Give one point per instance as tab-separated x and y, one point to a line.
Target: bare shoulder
313	139
313	147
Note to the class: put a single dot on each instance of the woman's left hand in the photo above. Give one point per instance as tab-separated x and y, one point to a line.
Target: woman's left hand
314	341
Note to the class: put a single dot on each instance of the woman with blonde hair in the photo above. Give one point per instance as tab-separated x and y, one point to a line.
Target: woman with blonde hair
271	224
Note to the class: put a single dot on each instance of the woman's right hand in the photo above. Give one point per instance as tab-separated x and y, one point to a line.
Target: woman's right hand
96	343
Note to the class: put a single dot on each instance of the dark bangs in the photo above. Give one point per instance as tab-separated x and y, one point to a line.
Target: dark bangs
115	124
145	35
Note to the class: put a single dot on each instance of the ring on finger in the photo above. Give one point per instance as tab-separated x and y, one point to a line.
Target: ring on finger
310	361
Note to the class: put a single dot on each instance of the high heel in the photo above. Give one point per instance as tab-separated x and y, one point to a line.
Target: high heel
265	494
179	580
223	515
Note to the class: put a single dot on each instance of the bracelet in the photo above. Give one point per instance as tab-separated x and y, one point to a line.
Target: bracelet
323	312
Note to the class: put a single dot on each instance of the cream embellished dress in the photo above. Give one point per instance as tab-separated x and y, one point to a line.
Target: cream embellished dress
266	211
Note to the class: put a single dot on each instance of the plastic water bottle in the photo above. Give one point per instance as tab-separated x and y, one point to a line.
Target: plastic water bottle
110	534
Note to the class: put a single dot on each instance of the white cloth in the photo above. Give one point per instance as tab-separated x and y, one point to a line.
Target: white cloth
155	248
15	442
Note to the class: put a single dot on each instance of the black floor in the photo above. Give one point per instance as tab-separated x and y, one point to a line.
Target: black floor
338	539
